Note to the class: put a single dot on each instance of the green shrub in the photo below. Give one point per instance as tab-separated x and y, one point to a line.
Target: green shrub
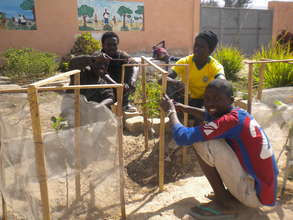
124	28
22	64
153	91
107	27
276	74
84	44
231	59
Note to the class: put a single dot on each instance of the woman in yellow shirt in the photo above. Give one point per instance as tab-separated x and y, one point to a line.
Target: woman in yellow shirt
203	68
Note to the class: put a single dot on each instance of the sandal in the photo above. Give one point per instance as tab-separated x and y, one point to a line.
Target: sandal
206	212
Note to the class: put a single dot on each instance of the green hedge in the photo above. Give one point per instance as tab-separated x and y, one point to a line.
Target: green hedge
22	64
276	74
232	60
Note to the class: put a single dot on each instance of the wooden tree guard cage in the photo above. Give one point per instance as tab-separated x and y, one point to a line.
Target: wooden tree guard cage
146	62
32	92
263	63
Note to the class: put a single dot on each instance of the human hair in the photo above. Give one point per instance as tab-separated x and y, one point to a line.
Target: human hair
210	37
223	86
109	34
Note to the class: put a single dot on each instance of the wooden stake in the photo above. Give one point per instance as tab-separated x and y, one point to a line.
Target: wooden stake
39	150
261	80
77	137
41	89
120	146
2	176
162	137
250	82
185	119
144	108
4	209
55	78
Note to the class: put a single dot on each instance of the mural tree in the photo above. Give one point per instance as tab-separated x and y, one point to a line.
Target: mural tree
140	11
84	11
28	5
123	12
2	19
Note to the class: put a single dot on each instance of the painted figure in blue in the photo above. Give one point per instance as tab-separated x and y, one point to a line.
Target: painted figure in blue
106	16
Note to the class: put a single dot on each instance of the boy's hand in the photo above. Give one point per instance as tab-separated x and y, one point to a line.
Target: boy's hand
101	57
167	104
179	106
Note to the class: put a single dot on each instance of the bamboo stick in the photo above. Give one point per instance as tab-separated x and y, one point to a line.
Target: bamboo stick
162	137
250	82
185	115
4	209
261	80
120	146
3	178
77	137
268	61
154	65
54	78
144	108
39	150
42	89
158	64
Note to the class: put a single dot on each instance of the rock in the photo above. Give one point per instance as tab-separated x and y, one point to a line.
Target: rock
134	125
128	115
155	128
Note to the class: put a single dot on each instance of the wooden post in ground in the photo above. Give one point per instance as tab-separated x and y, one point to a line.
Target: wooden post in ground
39	150
77	137
162	136
4	209
120	146
144	108
250	83
2	176
261	80
185	117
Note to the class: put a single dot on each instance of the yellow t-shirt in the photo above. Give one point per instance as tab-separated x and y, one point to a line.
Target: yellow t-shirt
198	79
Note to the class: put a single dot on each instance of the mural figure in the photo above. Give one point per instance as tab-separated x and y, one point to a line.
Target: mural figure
17	15
114	20
109	15
106	16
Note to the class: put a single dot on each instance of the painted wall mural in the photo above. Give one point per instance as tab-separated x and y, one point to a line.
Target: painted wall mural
109	15
17	15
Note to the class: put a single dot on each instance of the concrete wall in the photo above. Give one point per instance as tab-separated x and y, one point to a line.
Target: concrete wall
283	17
247	29
176	22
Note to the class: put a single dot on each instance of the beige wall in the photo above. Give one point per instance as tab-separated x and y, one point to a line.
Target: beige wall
174	21
283	17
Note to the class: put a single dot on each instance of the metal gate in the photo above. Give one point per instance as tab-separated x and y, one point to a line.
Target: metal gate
247	29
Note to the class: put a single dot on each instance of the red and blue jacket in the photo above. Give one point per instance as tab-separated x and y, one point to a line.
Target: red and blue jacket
248	141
